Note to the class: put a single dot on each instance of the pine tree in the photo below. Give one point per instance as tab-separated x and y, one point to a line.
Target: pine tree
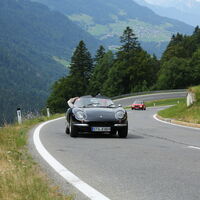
76	83
196	30
81	68
99	54
129	41
100	74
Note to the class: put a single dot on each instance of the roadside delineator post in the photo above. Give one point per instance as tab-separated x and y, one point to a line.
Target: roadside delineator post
19	116
48	112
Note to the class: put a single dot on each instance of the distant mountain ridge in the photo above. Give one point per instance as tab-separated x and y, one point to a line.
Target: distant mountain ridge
186	11
34	41
106	20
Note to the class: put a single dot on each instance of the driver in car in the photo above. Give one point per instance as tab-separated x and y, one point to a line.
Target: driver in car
72	101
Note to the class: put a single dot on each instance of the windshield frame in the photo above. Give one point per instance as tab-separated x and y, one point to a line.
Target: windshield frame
138	102
93	102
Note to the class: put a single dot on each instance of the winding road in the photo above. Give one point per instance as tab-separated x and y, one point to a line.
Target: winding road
157	161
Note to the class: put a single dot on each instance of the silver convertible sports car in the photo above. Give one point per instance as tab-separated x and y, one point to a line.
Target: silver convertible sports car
96	115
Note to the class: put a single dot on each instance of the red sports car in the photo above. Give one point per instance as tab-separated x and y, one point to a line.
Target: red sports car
138	105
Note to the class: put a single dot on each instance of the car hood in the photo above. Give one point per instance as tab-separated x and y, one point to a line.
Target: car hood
95	114
100	114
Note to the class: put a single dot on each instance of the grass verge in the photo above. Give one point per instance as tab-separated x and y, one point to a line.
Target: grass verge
183	113
20	176
165	102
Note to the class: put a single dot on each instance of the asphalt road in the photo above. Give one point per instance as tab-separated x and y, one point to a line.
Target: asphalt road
129	100
153	163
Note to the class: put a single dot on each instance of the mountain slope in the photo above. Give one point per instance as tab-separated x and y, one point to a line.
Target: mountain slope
32	41
180	10
107	19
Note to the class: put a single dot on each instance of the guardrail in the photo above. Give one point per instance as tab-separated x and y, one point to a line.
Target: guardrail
147	92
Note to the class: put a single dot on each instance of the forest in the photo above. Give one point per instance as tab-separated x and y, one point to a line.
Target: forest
32	41
130	69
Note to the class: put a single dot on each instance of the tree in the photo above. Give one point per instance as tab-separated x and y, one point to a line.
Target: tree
81	68
133	70
174	74
76	83
119	77
99	54
195	68
62	90
129	41
100	74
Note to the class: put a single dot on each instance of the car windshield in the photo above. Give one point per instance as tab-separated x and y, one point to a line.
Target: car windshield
93	102
138	102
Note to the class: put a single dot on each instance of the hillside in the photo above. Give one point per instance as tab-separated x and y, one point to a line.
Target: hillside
34	43
106	20
180	10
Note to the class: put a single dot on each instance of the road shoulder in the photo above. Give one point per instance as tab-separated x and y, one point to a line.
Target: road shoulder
177	122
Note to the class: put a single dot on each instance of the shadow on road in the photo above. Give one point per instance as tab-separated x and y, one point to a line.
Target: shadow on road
104	136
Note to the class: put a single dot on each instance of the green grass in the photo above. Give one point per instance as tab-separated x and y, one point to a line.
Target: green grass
181	112
20	176
165	102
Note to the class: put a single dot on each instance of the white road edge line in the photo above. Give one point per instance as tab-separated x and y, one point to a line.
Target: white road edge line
154	116
193	147
86	189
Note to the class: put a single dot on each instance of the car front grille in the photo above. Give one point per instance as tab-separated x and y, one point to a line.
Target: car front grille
102	124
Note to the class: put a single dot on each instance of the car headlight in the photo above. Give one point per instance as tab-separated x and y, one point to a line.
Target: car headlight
119	114
80	115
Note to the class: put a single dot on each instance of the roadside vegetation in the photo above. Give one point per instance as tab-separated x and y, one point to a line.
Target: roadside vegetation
181	112
20	177
129	70
165	102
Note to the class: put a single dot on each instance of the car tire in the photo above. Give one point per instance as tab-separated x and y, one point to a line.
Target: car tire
122	133
113	133
72	129
67	130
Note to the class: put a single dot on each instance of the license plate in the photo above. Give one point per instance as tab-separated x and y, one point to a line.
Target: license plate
101	129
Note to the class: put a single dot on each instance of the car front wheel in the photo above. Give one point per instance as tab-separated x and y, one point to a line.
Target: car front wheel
122	133
113	133
67	130
72	130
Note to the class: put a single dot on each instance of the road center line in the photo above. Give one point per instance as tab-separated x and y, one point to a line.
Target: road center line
86	189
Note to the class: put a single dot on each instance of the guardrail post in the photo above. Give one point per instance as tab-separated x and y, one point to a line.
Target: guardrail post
48	112
19	116
190	98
